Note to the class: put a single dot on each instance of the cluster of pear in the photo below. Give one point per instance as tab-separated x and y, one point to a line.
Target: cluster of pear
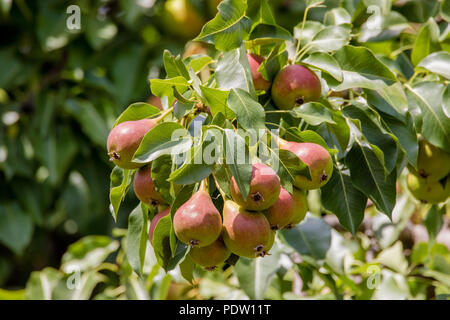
430	182
247	225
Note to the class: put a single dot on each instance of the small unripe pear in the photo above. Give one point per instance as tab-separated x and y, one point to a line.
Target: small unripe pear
428	191
197	222
289	209
125	138
182	19
246	233
295	85
155	221
264	189
316	157
144	188
258	81
210	257
433	163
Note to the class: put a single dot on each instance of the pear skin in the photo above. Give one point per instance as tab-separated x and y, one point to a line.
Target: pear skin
295	85
144	188
197	222
125	138
264	189
210	257
246	233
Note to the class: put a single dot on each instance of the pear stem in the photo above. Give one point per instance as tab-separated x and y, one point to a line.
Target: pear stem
204	185
164	114
222	193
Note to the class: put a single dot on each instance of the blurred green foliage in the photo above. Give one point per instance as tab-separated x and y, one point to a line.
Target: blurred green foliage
60	91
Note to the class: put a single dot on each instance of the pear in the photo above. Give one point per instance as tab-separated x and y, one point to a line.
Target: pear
155	221
246	233
428	191
258	81
295	85
264	189
289	209
301	207
433	163
316	157
144	188
125	138
210	257
197	222
182	19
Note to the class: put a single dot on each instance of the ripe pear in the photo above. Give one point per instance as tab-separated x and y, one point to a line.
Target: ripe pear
125	138
144	188
289	209
182	19
294	85
316	157
301	207
264	189
433	163
258	81
155	221
210	257
428	191
197	222
246	233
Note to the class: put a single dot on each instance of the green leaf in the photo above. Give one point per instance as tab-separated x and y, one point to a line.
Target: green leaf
161	241
137	111
311	238
119	185
337	16
198	61
406	135
445	10
41	284
326	63
394	258
229	27
166	138
195	167
174	66
137	238
434	221
314	113
161	169
368	175
374	132
236	153
164	87
427	41
273	64
249	113
233	71
16	227
187	269
217	101
254	275
362	69
438	62
330	38
88	253
428	97
90	120
344	200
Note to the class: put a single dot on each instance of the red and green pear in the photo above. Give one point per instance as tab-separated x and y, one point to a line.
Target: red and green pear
295	85
197	222
125	138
